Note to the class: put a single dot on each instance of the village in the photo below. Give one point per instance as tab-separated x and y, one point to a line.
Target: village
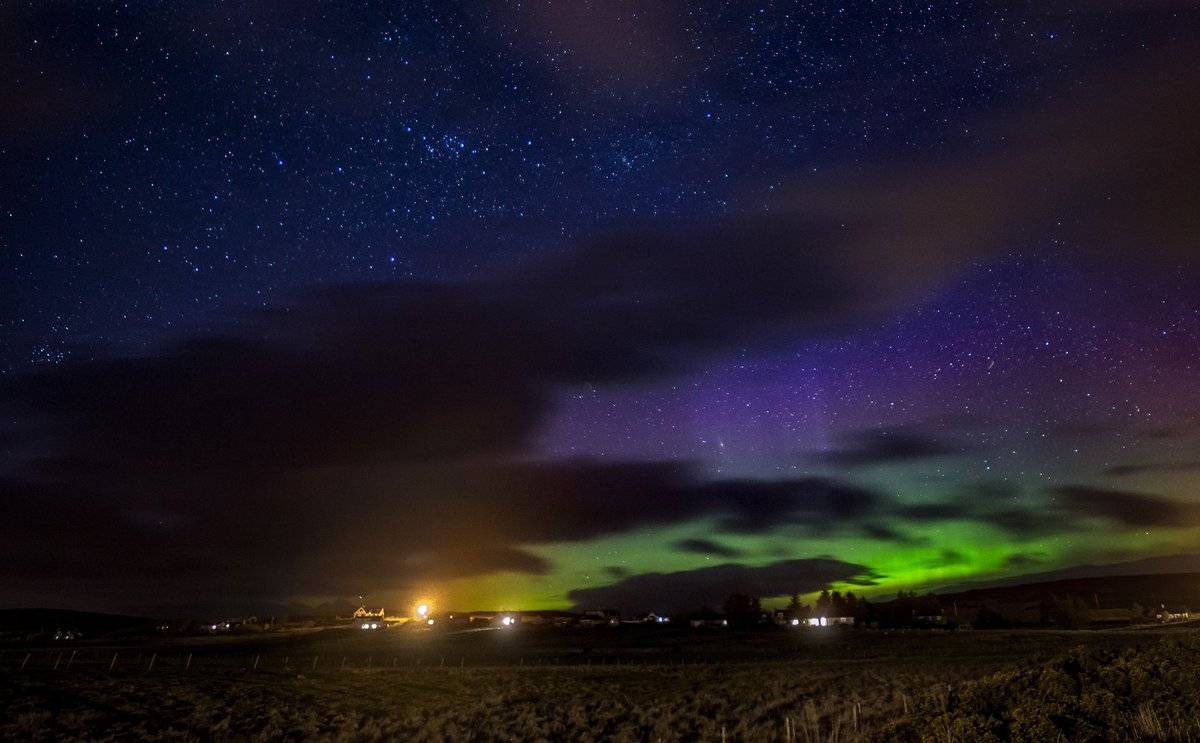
1107	603
908	610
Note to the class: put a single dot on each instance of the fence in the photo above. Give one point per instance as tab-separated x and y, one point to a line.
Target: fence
128	660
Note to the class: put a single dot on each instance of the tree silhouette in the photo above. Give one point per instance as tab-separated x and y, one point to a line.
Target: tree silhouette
796	609
742	609
824	602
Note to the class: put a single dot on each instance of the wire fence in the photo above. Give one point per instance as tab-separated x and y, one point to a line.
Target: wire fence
63	660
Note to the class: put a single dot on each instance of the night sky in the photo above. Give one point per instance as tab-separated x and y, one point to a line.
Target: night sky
553	304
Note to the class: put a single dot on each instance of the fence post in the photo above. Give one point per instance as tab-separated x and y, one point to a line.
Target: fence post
25	661
255	663
113	662
189	662
151	666
315	657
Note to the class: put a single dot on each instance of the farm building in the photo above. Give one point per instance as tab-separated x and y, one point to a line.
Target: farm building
1173	614
647	618
599	618
830	621
547	617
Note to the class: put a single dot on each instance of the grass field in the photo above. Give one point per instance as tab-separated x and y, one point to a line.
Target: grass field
629	684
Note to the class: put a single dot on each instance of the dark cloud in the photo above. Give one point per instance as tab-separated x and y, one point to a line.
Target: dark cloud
994	504
1067	508
380	373
694	589
930	512
1112	162
1001	504
1128	508
1023	561
882	533
889	534
819	504
1128	470
989	492
706	547
1028	522
353	434
620	45
1177	431
887	446
361	433
1091	431
345	529
947	558
44	99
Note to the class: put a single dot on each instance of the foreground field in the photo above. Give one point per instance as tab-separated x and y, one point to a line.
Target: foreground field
633	687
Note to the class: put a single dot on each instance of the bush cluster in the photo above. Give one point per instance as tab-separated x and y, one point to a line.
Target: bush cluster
1086	694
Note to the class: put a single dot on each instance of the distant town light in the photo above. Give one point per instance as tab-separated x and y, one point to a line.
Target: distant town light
429	622
795	622
422	610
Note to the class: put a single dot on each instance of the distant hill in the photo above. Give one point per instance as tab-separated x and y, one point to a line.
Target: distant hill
92	624
1170	564
1104	592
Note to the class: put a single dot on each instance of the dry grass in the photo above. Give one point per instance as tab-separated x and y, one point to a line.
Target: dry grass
751	702
1085	694
851	690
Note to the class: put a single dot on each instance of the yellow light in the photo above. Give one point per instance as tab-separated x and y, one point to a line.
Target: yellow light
422	610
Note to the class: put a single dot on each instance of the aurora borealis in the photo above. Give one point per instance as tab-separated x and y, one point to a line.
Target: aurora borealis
575	304
1045	388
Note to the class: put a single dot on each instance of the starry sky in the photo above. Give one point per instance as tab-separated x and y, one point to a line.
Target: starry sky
567	303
